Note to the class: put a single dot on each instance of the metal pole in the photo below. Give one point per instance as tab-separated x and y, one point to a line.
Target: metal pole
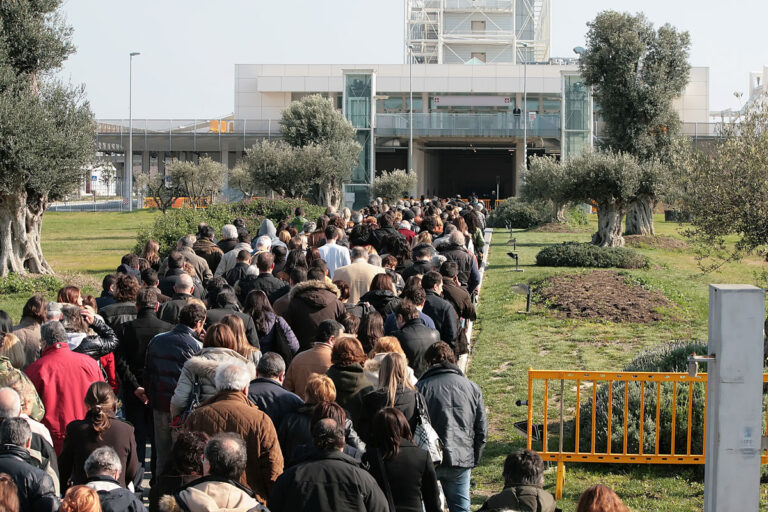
410	108
129	156
525	110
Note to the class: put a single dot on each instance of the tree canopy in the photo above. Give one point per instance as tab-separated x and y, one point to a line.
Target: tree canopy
46	128
546	179
394	185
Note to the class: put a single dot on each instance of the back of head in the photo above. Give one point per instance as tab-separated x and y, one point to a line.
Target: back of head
101	403
298	275
263	243
328	329
187	452
440	353
226	297
80	499
316	274
271	365
328	410
422	253
176	260
10	403
264	261
15	431
191	314
147	298
449	269
407	310
347	351
126	288
35	308
358	252
456	238
213	287
71	318
327	435
389	427
319	388
103	461
220	336
205	232
232	377
600	498
431	279
228	232
149	277
187	241
243	256
130	260
9	494
415	294
227	455
52	333
523	467
393	375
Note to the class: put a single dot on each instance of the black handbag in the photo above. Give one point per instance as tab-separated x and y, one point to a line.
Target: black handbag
280	343
192	404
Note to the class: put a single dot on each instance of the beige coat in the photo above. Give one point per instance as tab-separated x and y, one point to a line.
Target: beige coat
358	275
211	496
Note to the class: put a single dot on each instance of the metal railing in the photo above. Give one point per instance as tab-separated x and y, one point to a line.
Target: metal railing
444	124
571	449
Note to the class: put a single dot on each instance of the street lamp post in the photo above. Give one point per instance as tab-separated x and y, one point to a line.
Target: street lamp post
525	107
410	108
129	155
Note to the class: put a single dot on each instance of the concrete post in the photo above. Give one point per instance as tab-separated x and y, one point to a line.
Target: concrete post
519	168
734	396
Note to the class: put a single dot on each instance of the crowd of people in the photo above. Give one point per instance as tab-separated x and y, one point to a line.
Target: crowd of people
309	366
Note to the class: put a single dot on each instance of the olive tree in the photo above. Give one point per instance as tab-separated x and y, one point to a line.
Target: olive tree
46	128
155	186
636	71
198	181
546	179
394	185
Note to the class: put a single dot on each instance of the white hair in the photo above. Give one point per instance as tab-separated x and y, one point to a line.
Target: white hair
263	243
457	238
252	270
228	231
10	403
103	461
232	377
183	283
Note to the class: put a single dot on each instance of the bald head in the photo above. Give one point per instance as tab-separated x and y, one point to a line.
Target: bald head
184	284
10	403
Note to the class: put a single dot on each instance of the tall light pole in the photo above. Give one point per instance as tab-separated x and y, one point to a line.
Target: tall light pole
410	108
129	156
525	106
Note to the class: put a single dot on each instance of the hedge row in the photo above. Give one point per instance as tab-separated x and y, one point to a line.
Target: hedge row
572	254
168	228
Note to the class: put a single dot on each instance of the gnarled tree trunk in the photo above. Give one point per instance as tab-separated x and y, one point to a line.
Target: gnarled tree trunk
21	222
640	216
329	194
558	212
609	226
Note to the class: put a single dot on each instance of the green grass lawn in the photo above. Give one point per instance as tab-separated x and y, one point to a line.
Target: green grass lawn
508	343
83	247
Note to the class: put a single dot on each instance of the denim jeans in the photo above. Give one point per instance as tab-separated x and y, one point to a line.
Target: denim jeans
162	441
455	482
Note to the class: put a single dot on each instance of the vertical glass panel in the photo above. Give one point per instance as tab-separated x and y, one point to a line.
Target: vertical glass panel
361	174
358	100
577	104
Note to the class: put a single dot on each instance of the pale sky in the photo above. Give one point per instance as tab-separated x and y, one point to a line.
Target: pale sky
189	47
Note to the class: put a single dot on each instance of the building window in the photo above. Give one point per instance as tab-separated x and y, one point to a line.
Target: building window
479	56
478	27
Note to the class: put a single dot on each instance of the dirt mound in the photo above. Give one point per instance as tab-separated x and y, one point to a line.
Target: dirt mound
602	294
655	242
558	227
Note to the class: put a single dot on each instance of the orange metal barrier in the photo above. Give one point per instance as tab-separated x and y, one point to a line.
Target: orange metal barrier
645	381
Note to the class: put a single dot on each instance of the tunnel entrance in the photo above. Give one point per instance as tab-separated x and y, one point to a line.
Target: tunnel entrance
452	171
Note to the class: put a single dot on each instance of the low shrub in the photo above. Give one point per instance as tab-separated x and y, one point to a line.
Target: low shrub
519	214
17	283
572	254
670	357
168	228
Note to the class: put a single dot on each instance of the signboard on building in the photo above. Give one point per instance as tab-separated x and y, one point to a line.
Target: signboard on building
471	101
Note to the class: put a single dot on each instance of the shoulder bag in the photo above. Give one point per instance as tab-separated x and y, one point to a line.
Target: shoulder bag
424	435
192	404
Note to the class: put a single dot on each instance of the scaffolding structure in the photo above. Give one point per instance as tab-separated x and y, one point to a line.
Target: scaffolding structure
464	31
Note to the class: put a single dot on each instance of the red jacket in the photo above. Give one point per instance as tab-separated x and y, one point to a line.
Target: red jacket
408	234
61	378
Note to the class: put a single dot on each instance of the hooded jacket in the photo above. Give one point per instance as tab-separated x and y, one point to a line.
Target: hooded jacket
268	228
211	494
231	411
327	481
351	386
383	301
457	413
311	302
203	366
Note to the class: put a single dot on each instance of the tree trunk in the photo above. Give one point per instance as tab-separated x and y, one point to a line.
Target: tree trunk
329	194
608	226
21	221
640	216
558	212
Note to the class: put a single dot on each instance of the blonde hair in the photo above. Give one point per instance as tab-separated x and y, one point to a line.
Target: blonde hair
424	238
12	348
242	347
393	375
319	388
385	345
80	499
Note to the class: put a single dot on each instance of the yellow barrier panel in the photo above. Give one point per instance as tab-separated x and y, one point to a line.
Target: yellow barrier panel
604	454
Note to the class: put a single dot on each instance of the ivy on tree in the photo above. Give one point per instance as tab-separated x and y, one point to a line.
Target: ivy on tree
46	128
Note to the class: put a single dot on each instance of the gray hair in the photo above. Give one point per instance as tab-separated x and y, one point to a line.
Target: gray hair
15	431
52	333
187	240
70	317
357	218
252	270
271	365
374	259
263	243
227	455
456	238
357	252
232	377
183	283
228	231
10	403
53	311
103	461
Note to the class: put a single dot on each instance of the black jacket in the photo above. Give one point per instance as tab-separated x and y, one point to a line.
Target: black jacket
216	315
104	300
411	477
469	276
383	301
327	481
35	487
294	431
113	497
167	283
525	498
418	268
169	311
444	315
227	244
237	273
373	402
134	340
99	344
457	413
273	399
415	338
118	313
165	358
381	238
273	287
